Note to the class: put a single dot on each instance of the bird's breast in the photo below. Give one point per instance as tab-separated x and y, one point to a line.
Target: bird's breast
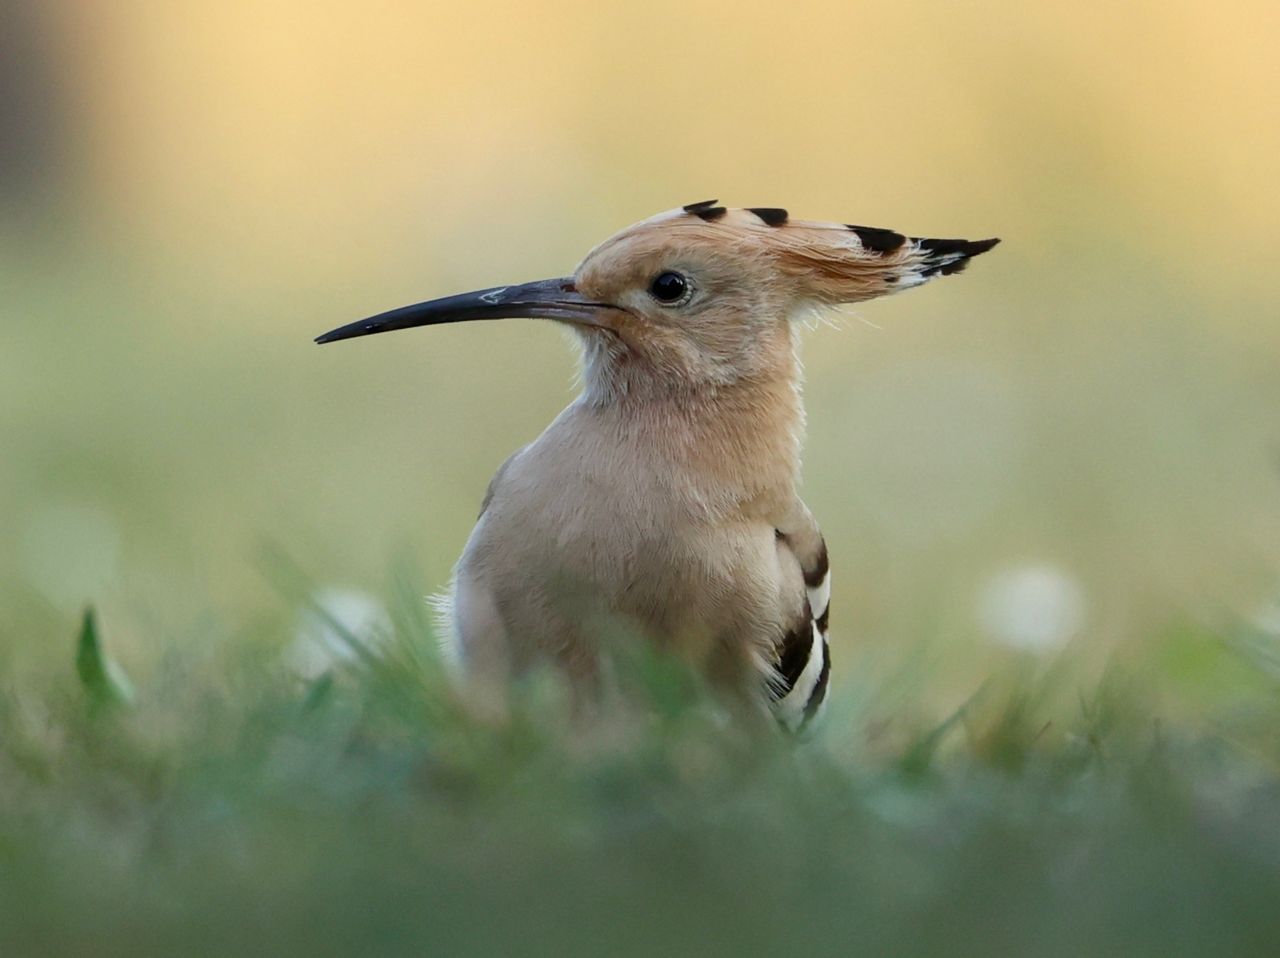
566	542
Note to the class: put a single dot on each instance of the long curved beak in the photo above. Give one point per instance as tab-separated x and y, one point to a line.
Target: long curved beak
544	299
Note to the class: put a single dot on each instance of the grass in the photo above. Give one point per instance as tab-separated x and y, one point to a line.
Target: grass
225	806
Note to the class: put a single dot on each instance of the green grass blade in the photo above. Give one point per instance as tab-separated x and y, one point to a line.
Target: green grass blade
103	680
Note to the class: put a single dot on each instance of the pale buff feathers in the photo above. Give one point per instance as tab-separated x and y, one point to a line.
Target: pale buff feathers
665	497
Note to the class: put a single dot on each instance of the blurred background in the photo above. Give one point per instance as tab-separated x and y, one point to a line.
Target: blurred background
1070	447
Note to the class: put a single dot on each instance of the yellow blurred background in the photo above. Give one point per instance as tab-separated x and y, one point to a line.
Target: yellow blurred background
1074	443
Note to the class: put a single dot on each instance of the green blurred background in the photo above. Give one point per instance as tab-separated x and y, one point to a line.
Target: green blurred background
1070	446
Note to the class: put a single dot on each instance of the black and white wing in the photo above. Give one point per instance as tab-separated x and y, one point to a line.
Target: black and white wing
803	669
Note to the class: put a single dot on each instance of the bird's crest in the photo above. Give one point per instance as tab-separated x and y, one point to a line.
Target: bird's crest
832	262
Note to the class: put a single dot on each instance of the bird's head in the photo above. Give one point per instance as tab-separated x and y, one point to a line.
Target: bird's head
701	294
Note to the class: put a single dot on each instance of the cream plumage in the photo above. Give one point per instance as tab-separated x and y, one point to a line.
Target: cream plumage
664	498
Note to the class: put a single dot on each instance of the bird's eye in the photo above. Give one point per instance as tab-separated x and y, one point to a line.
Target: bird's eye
669	288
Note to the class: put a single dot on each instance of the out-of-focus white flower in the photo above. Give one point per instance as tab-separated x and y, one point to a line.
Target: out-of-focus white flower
69	551
1032	607
1261	644
330	625
1267	618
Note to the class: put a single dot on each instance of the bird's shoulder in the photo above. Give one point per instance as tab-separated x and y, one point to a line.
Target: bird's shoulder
799	531
492	490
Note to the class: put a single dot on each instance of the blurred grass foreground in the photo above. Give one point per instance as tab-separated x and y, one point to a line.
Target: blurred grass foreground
235	808
1050	486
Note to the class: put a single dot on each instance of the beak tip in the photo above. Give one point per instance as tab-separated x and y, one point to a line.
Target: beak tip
362	328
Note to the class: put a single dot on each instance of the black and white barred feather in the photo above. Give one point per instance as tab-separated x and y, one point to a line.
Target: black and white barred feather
799	685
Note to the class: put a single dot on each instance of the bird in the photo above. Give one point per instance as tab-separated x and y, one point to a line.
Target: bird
663	500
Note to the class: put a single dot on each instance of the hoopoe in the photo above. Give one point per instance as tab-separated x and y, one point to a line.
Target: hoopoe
665	495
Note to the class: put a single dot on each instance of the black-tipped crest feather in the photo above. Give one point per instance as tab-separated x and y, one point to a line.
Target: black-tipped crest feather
770	216
946	257
878	240
705	210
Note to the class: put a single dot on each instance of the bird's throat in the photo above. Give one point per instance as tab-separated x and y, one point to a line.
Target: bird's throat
734	445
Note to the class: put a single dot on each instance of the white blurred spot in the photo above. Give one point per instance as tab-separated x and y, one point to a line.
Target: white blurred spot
1033	607
69	551
1267	618
332	629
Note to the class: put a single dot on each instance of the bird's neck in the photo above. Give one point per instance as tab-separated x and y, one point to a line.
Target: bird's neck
732	444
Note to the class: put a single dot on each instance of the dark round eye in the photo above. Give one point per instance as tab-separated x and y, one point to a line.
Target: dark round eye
668	287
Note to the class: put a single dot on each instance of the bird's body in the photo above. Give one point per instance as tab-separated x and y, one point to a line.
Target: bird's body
662	504
658	517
